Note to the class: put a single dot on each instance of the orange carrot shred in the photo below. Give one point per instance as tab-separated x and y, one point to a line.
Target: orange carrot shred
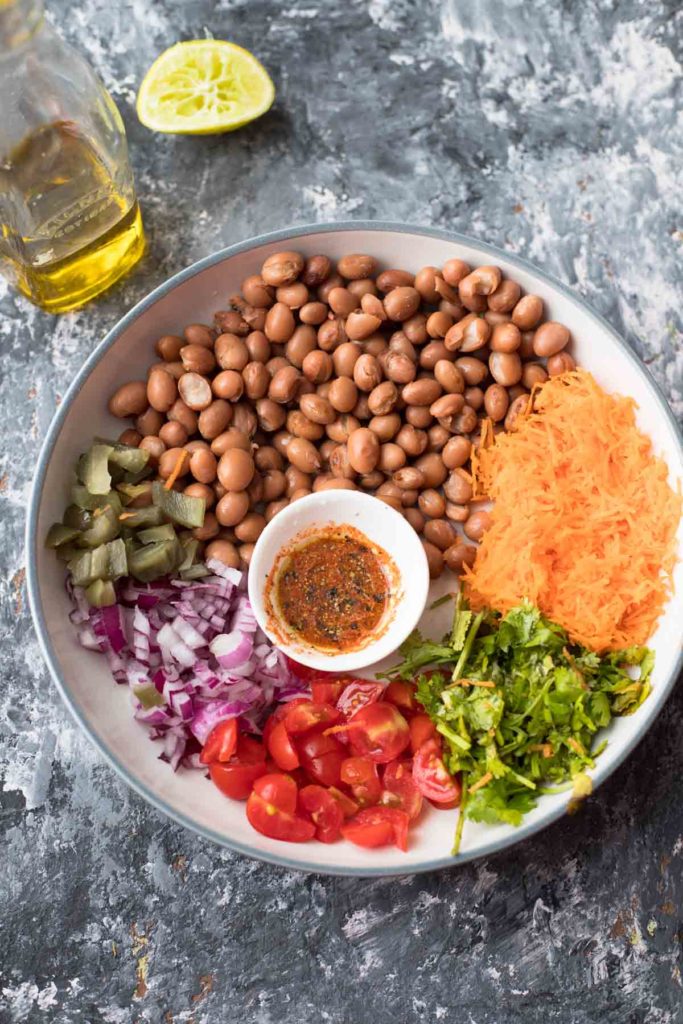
480	783
543	748
177	469
584	519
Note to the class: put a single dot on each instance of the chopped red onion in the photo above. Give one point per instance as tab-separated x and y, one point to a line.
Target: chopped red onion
232	649
198	644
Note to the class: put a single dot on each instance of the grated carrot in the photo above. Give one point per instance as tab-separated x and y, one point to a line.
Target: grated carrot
177	469
543	748
480	783
584	519
486	440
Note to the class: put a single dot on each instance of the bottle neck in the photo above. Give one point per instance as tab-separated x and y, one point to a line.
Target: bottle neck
19	21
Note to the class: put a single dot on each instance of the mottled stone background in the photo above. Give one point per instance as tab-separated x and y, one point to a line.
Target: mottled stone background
552	129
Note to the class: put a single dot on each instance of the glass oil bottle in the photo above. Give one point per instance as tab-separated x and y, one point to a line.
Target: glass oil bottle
70	223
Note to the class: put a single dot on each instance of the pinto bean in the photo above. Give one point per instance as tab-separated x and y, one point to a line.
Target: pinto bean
383	398
343	394
423	391
459	555
550	338
458	487
435	559
496	402
440	533
401	303
506	368
316	270
561	362
282	268
527	313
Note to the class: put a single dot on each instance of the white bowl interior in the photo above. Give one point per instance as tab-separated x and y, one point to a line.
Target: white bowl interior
103	708
382	525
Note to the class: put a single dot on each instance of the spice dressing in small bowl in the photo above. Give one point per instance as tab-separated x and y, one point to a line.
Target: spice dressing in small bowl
338	580
331	589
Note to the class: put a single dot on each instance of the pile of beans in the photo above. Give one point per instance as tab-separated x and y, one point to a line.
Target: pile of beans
349	377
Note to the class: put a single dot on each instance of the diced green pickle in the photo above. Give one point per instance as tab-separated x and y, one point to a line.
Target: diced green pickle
148	696
117	559
132	491
190	553
77	518
100	542
154	560
99	563
181	508
80	568
135	478
194	572
94	469
137	517
67	552
104	527
81	497
101	593
132	460
59	534
126	456
154	533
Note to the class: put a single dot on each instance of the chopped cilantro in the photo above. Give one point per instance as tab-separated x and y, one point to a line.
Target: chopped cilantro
519	706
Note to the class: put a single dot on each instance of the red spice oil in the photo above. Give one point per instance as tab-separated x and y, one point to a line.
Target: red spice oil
332	589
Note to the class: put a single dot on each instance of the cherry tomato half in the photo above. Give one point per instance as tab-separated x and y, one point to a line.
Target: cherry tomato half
270	821
379	731
349	807
236	777
306	715
281	748
320	806
400	789
401	694
378	826
421	729
326	690
321	757
278	715
278	789
356	694
432	778
302	672
221	742
360	774
446	806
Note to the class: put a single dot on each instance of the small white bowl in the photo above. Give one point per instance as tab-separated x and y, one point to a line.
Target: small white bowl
382	525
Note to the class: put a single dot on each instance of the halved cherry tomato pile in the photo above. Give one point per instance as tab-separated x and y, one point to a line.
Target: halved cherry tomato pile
354	761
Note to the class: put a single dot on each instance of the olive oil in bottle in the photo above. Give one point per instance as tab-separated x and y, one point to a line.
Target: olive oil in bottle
79	233
70	223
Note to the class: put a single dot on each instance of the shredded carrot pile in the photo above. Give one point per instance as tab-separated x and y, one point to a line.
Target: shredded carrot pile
584	520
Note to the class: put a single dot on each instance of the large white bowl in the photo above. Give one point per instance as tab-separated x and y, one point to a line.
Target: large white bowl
102	708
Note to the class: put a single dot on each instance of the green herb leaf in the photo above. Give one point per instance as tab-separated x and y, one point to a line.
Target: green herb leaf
519	706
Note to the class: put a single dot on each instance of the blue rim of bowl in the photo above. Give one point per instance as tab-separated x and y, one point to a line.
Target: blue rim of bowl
651	708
